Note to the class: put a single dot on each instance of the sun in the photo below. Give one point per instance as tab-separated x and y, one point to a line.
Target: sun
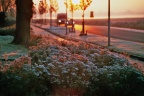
75	1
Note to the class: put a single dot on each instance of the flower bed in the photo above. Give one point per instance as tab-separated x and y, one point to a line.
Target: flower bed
68	68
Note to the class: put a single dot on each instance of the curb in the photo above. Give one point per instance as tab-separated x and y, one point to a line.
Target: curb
76	40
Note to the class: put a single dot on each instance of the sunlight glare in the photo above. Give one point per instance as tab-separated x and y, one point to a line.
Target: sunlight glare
75	1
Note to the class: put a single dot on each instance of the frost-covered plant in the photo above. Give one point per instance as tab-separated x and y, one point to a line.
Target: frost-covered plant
17	78
67	75
6	55
67	65
34	39
23	83
65	68
70	64
16	64
7	30
116	81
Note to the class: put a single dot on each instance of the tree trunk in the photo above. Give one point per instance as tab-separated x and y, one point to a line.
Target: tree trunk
23	17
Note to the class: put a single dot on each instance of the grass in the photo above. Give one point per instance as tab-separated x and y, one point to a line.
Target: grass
7	48
134	23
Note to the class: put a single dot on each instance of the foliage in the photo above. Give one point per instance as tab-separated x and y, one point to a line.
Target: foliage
54	6
68	68
2	19
34	39
5	4
42	7
10	22
18	79
7	30
70	64
116	81
23	83
84	4
72	6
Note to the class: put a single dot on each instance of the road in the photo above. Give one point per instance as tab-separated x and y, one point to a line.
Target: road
118	33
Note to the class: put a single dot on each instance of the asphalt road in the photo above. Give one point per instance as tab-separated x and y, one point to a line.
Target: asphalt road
118	33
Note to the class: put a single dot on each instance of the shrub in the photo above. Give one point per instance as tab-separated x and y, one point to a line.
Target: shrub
19	79
22	83
70	64
9	22
68	72
7	30
34	39
116	81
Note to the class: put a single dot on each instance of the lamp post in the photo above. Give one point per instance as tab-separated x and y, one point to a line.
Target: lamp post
108	22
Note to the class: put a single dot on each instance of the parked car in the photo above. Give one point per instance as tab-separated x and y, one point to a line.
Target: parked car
70	22
61	18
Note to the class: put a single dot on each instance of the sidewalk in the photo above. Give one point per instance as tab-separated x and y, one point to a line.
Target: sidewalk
134	49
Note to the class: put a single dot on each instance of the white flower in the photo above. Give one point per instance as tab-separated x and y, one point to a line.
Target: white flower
73	74
64	71
83	74
76	69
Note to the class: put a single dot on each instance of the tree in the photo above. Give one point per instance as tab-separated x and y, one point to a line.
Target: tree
4	4
73	6
23	17
53	8
43	8
83	5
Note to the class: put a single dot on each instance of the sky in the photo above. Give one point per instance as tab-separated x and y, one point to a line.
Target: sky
119	8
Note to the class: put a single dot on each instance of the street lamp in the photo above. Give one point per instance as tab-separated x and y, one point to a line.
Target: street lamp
108	22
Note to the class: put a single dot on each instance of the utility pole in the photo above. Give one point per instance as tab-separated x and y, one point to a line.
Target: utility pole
108	22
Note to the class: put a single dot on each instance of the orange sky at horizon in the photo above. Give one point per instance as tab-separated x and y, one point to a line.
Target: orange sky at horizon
100	7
